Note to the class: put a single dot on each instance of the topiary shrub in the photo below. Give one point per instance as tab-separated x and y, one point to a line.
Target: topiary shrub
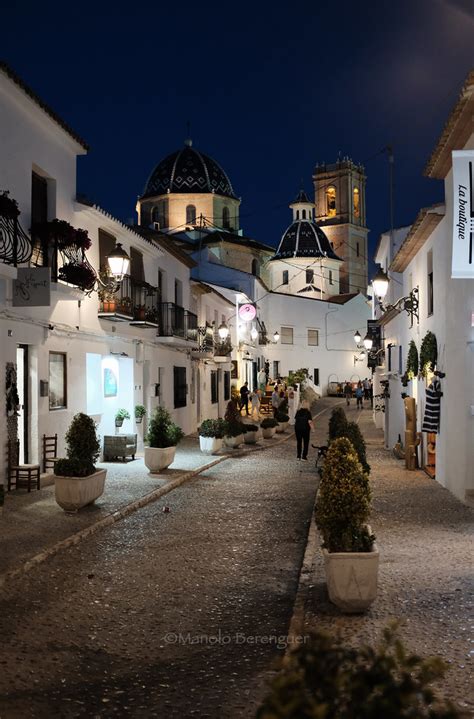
324	679
281	416
268	423
343	504
233	421
82	448
283	406
412	360
337	422
214	428
351	430
428	354
162	431
249	428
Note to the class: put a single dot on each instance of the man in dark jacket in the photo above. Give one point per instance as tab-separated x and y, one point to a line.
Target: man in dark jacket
303	426
244	397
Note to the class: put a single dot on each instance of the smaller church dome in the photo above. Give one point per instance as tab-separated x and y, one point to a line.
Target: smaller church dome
304	238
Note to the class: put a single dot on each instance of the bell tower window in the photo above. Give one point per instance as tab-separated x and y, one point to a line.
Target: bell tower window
331	202
190	215
356	202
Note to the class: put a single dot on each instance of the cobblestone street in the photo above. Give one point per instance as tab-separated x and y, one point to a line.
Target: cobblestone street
170	614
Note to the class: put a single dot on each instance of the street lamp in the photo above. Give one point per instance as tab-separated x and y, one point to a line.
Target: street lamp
368	342
276	336
357	337
118	262
408	304
254	333
223	331
380	284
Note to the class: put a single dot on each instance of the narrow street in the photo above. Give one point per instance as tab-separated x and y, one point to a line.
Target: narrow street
167	614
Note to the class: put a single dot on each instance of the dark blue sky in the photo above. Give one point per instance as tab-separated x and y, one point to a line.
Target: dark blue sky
270	88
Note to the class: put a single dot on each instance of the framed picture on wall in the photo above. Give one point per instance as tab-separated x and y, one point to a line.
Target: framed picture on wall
235	370
110	383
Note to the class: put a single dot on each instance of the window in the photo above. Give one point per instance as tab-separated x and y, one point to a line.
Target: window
178	293
356	202
429	267
225	217
255	268
276	369
162	285
214	387
286	336
160	213
331	202
303	213
180	387
313	338
357	249
284	277
297	214
330	278
316	376
400	360
226	386
190	215
389	358
309	277
106	245
137	271
57	380
39	213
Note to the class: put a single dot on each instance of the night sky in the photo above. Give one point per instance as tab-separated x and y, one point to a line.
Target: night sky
270	88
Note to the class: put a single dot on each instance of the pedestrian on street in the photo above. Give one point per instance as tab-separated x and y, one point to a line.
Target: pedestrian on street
275	401
348	392
255	403
262	381
303	426
244	397
371	394
366	386
359	393
291	404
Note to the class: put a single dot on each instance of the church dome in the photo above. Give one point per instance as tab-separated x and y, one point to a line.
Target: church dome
188	171
304	238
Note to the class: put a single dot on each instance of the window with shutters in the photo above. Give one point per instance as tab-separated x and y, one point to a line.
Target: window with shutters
286	336
429	267
316	376
284	280
309	277
137	271
226	386
313	338
57	380
214	387
180	387
39	214
190	215
106	246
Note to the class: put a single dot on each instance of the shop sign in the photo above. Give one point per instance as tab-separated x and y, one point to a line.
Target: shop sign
32	288
463	215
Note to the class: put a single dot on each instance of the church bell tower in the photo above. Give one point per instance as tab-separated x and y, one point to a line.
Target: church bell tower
339	191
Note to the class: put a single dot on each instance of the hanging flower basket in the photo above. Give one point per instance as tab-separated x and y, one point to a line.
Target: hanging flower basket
80	275
62	234
8	206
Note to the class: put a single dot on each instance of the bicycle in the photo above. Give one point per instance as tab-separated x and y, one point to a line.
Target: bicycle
320	457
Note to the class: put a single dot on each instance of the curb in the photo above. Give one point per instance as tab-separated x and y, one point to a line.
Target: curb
125	511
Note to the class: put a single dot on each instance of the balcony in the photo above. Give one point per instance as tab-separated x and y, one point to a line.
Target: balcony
15	245
191	326
172	320
117	306
145	305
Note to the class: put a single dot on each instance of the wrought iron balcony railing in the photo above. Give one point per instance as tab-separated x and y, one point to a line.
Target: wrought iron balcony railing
145	304
171	320
15	245
191	322
206	339
118	305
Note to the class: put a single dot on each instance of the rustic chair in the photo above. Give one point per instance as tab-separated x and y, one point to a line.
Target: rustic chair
21	475
50	451
119	445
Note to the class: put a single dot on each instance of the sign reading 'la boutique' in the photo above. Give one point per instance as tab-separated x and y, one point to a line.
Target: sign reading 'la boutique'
463	214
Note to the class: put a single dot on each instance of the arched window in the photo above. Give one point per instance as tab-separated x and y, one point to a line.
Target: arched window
297	214
159	214
225	217
303	212
331	201
356	202
255	268
190	215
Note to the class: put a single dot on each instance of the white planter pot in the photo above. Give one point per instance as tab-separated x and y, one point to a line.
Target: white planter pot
281	427
233	441
220	358
250	437
210	445
352	578
268	432
157	458
72	493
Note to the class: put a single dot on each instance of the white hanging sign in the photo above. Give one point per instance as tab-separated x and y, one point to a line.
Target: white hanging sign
463	215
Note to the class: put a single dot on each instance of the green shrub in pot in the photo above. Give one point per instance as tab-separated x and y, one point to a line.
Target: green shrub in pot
268	423
82	448
162	431
215	428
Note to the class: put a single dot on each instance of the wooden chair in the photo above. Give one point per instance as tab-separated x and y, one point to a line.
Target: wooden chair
50	451
21	475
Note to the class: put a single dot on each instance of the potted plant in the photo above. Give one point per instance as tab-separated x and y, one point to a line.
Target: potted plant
324	677
351	557
233	428
337	423
162	437
251	432
282	421
222	350
120	415
77	481
211	434
351	431
268	425
428	354
140	412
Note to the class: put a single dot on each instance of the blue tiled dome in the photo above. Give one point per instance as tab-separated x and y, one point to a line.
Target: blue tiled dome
304	238
188	170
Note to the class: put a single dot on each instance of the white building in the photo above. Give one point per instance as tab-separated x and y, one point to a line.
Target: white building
423	260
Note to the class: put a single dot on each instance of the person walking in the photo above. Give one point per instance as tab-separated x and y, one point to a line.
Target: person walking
348	392
255	403
275	401
262	381
303	426
366	386
244	397
359	393
371	393
291	404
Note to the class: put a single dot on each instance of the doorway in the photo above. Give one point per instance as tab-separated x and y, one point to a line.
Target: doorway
23	413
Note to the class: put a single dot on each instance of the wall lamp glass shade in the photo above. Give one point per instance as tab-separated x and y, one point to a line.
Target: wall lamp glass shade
118	262
276	336
380	283
254	333
357	337
368	342
223	331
